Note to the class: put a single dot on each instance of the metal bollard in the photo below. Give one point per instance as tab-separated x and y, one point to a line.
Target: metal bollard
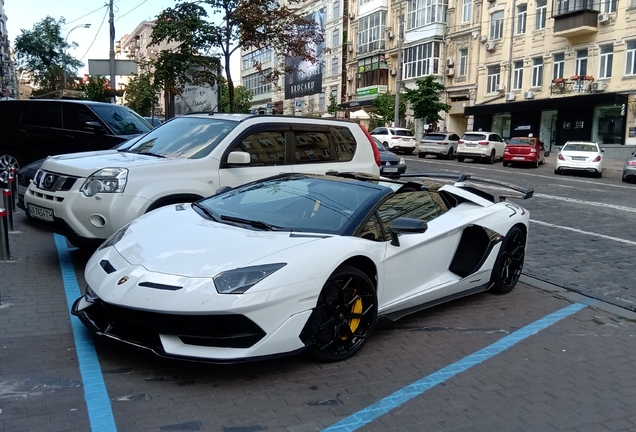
4	237
6	199
12	186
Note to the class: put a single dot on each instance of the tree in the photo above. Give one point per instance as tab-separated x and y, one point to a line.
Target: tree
242	99
258	24
96	89
385	103
424	99
141	95
333	106
42	52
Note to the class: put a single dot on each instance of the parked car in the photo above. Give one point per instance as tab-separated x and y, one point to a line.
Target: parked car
526	150
440	144
398	140
33	129
391	165
629	169
307	263
154	121
89	196
483	146
580	156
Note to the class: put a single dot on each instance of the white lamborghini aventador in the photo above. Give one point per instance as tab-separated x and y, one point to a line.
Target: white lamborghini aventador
299	262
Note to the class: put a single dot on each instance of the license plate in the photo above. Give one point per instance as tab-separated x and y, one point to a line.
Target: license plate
390	169
579	158
406	139
518	158
22	190
40	213
471	145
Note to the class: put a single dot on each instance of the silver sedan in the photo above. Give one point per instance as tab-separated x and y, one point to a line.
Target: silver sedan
629	169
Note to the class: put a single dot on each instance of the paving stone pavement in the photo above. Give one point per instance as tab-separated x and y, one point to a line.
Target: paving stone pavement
576	375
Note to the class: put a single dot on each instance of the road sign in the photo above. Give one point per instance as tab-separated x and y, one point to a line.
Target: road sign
102	67
298	103
269	105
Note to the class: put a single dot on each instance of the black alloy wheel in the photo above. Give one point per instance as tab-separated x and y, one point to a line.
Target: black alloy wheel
450	154
344	316
7	161
509	264
491	160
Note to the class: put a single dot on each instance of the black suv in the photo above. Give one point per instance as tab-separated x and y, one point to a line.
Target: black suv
36	128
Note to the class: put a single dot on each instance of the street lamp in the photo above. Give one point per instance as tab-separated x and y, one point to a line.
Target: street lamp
64	56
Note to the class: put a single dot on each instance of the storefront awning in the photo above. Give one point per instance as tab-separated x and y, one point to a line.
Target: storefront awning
584	100
357	103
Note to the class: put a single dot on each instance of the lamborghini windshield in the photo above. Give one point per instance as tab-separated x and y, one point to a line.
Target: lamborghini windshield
296	203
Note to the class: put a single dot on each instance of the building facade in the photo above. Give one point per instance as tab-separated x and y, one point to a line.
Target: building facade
7	70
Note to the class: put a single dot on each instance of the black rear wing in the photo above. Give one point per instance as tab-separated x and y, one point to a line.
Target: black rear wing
461	178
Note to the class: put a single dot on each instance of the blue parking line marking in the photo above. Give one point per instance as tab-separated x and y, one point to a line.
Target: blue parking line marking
100	413
396	399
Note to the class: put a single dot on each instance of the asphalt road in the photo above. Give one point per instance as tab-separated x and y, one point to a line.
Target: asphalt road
582	231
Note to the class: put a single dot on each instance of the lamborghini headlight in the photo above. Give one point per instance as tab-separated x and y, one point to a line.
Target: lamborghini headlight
107	180
113	239
90	295
239	280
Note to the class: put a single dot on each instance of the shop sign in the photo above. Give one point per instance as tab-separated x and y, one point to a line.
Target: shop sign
523	127
371	90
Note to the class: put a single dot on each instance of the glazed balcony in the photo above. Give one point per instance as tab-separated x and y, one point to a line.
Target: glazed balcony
573	18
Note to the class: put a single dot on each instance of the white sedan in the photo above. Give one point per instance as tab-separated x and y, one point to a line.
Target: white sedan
299	262
580	156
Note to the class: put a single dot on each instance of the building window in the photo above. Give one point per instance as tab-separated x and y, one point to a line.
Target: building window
373	71
630	57
423	12
261	56
421	60
608	5
334	66
542	11
257	84
607	56
522	16
335	39
363	2
463	62
336	9
321	101
370	32
517	80
467	11
581	63
496	25
494	75
558	61
537	72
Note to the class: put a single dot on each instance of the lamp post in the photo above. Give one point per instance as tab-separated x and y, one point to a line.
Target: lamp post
63	54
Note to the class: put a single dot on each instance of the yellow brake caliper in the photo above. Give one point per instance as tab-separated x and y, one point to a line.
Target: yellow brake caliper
354	323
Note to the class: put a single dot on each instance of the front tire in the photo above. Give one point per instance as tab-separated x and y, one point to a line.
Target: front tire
509	264
344	316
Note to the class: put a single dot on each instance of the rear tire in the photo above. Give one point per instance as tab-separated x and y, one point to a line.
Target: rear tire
460	158
505	163
536	164
8	160
344	316
599	174
450	154
509	264
422	155
491	159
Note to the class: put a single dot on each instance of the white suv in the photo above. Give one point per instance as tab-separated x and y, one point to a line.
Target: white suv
483	146
88	196
397	140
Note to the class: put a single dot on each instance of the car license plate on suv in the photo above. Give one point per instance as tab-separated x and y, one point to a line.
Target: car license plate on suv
390	169
40	213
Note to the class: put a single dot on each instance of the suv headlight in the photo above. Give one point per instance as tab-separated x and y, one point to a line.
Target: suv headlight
239	280
107	180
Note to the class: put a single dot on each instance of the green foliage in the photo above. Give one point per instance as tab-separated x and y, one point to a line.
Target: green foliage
333	106
385	103
141	94
96	89
236	24
242	99
41	52
424	99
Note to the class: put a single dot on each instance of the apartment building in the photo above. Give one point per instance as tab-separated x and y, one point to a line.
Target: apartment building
557	69
8	79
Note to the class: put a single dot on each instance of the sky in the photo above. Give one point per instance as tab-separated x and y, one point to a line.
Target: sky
93	42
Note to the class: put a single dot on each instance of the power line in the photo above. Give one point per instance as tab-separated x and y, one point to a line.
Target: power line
96	34
92	12
123	15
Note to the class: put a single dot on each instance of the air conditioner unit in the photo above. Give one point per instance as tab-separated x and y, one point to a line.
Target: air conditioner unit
490	46
352	16
450	63
483	38
603	18
528	95
510	97
348	94
450	72
393	71
501	87
598	86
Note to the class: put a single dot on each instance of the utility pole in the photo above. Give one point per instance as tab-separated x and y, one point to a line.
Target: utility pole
398	76
111	21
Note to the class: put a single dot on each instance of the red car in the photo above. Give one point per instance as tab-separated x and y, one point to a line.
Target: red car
527	150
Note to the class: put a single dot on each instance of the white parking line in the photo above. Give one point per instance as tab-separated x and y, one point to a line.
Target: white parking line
590	203
616	239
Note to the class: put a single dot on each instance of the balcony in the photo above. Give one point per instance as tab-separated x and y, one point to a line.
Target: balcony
575	84
575	18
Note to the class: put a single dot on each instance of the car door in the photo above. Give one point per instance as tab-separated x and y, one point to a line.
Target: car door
416	271
267	146
38	134
76	133
499	144
316	150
